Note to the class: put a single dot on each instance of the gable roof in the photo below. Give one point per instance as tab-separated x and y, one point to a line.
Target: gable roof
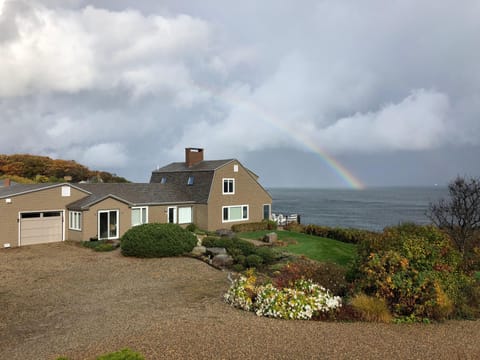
204	165
20	189
133	194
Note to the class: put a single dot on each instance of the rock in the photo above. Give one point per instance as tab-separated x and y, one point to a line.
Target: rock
200	239
225	233
199	250
270	238
222	260
216	251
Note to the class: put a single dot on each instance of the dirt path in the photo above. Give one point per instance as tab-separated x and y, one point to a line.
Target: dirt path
60	299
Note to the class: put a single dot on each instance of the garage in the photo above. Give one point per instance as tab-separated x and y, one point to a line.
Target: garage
41	227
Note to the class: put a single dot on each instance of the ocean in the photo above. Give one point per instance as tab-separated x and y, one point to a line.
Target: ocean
370	209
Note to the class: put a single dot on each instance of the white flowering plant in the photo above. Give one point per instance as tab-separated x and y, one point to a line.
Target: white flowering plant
303	301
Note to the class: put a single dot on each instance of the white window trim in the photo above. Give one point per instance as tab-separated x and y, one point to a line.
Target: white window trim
75	224
146	214
234	206
118	224
174	214
269	210
233	186
191	214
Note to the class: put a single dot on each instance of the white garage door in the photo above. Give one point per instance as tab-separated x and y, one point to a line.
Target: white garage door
41	227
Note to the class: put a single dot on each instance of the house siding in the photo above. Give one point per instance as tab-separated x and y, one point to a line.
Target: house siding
247	192
40	200
200	216
90	217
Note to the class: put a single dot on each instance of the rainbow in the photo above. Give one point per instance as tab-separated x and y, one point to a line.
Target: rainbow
341	171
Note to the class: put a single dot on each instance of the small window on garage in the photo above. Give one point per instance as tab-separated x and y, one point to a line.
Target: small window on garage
30	215
51	214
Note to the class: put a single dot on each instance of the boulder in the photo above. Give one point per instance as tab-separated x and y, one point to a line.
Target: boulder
225	233
216	251
199	250
270	238
222	260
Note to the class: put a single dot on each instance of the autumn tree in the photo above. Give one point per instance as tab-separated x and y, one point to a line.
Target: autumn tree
459	215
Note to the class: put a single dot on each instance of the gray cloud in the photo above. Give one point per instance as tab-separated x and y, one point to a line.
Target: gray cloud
126	86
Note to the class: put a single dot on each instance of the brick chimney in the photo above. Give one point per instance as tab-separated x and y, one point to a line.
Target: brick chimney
193	156
6	182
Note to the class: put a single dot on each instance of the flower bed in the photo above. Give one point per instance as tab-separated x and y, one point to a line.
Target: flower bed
302	301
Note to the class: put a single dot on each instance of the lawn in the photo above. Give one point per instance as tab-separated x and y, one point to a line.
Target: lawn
313	247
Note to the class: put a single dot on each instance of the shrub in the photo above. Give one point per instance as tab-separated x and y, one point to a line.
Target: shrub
269	256
241	250
157	240
125	354
303	301
238	267
328	275
191	227
263	225
101	245
415	270
295	227
347	235
371	308
253	260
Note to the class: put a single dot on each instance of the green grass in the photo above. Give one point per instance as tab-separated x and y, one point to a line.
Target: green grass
313	247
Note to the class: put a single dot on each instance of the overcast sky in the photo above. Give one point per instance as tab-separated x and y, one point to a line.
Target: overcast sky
390	89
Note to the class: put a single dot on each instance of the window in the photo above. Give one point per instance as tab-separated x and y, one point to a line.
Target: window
228	186
108	224
190	180
172	215
266	212
65	191
139	215
75	220
235	213
185	215
235	168
163	180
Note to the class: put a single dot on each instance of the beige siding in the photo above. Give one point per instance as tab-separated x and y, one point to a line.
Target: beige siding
90	217
200	216
46	199
247	192
157	214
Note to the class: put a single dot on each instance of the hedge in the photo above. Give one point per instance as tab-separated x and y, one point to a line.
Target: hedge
255	226
157	240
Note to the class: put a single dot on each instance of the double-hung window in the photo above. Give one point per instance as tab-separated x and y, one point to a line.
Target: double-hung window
228	186
235	213
139	215
75	220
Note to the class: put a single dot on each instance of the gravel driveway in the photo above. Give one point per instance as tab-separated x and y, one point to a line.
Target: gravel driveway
61	299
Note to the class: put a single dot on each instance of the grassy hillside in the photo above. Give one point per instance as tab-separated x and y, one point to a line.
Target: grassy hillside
313	247
26	168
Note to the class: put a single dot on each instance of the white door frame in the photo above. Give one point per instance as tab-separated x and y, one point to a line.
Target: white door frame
174	214
108	217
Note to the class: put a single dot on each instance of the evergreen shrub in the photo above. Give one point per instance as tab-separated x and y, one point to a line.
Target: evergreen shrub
157	240
256	226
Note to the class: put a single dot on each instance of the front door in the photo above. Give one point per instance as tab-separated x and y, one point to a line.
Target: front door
108	224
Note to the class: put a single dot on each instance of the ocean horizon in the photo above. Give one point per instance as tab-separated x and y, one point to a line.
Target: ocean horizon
371	208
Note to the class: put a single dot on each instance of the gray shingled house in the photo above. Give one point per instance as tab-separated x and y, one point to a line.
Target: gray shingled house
212	194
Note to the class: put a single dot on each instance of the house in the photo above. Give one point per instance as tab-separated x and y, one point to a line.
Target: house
212	194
